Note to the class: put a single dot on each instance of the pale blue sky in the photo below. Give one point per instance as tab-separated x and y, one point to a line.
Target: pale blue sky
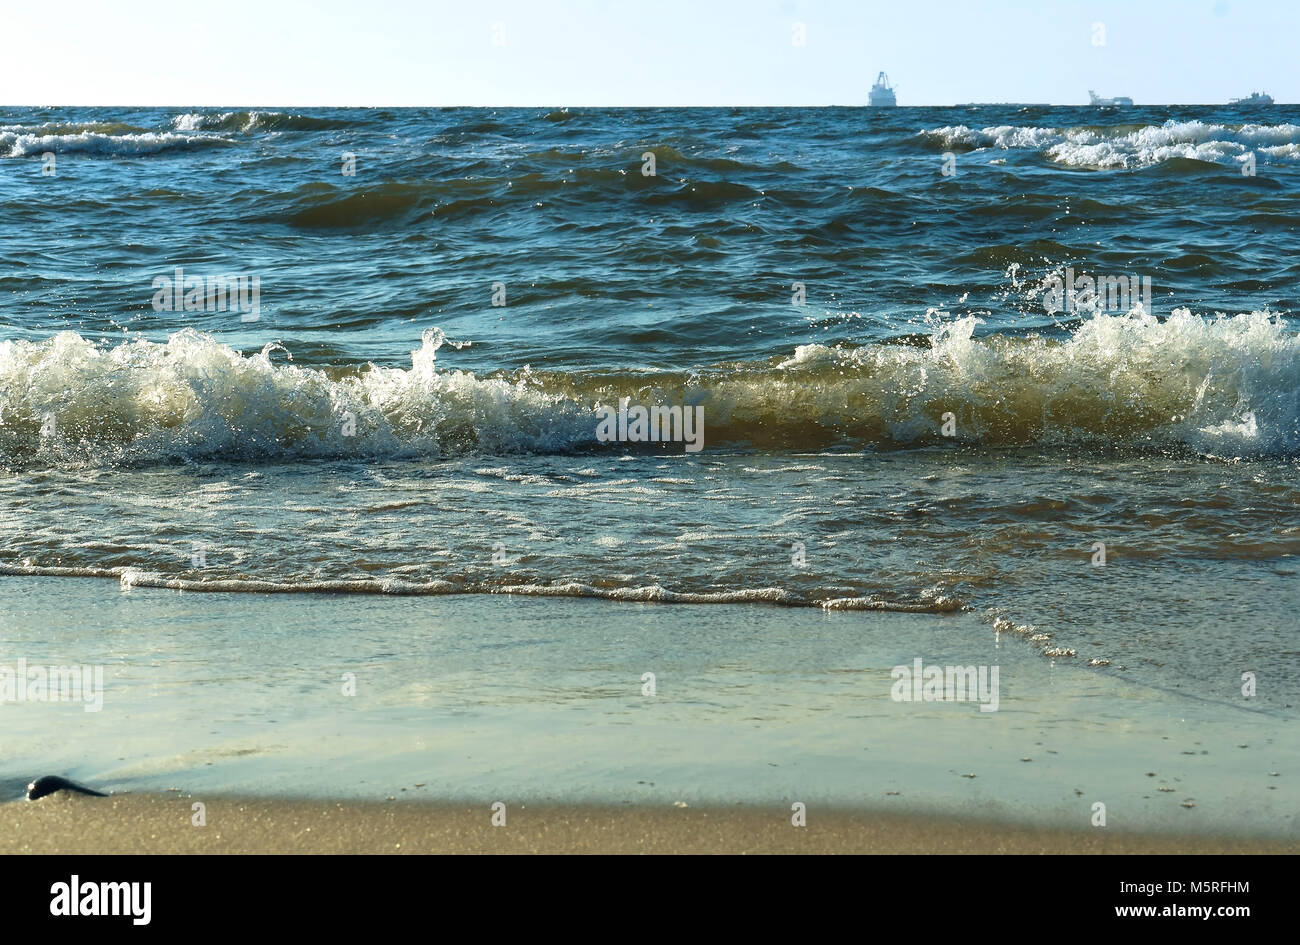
657	52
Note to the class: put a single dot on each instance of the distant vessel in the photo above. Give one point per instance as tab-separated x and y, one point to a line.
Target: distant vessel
1095	99
882	93
1254	98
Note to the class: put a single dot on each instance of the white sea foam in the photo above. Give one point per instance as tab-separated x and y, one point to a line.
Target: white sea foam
197	121
1221	385
249	121
26	143
232	121
1127	146
653	593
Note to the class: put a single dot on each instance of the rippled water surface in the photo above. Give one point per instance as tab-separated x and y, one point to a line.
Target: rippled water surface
928	432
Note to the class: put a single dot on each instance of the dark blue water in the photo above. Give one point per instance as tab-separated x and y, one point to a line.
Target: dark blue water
606	267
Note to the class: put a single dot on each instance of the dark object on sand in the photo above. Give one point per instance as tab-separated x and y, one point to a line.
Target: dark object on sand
51	783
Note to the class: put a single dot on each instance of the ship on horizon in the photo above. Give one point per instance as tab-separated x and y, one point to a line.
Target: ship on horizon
882	94
1095	99
1254	98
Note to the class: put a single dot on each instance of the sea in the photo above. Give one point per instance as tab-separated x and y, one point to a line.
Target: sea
1034	371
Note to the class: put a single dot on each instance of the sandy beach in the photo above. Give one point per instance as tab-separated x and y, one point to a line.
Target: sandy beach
463	702
162	824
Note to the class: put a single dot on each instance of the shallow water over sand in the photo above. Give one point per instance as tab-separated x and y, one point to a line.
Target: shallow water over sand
1198	583
524	700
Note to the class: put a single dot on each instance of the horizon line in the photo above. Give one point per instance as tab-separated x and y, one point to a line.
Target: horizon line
554	106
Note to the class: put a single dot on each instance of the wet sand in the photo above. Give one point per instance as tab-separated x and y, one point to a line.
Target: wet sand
162	823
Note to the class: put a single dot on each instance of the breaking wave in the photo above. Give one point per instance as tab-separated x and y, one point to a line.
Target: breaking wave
1129	145
184	132
252	120
18	142
1219	385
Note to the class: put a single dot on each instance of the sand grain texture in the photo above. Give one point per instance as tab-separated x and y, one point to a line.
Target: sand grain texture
147	823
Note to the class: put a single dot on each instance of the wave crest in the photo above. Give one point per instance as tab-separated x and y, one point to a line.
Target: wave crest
78	139
1127	146
253	120
1222	386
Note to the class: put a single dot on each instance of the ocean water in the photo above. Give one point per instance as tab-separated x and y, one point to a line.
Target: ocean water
902	410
